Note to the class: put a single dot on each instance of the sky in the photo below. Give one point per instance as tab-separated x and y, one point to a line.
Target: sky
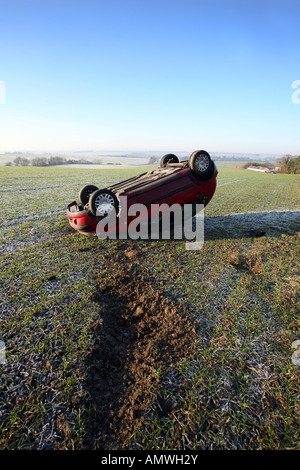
159	75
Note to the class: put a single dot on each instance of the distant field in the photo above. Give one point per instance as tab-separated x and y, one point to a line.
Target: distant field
231	163
34	199
145	345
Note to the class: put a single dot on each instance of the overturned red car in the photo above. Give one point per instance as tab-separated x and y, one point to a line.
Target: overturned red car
191	181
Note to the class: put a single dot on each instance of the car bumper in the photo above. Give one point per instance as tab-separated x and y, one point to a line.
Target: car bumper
80	219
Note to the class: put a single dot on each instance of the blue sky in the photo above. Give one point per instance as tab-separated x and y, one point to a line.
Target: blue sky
150	75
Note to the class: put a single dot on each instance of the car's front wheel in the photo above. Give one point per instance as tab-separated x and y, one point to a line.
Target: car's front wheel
102	202
169	158
201	164
85	192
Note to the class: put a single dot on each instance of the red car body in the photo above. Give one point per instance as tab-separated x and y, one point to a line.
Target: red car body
172	183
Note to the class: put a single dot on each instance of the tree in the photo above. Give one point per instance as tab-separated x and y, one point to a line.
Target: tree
21	161
56	160
39	161
289	164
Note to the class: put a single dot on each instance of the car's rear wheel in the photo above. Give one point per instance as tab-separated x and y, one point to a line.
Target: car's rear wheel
85	192
169	158
102	202
201	164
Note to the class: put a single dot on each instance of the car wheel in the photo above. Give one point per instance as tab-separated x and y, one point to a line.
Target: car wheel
169	158
85	192
201	165
102	202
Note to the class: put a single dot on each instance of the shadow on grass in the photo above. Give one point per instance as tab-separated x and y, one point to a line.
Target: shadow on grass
272	223
231	226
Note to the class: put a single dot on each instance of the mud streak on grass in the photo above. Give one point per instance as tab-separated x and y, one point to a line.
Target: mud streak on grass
142	335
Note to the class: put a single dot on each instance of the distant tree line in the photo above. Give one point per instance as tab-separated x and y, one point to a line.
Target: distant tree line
44	161
289	164
37	161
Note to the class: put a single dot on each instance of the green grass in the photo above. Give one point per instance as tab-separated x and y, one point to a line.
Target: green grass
238	391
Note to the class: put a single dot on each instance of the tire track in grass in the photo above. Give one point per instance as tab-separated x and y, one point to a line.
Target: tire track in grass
12	221
35	189
30	216
230	182
49	187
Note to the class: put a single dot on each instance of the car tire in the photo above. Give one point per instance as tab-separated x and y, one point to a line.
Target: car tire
201	165
169	158
102	202
85	192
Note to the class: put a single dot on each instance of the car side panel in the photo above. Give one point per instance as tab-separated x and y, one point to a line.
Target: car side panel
180	187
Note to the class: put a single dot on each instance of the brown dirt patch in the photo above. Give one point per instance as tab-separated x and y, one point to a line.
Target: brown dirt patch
142	336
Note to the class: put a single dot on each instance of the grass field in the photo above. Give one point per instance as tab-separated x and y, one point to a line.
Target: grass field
146	345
